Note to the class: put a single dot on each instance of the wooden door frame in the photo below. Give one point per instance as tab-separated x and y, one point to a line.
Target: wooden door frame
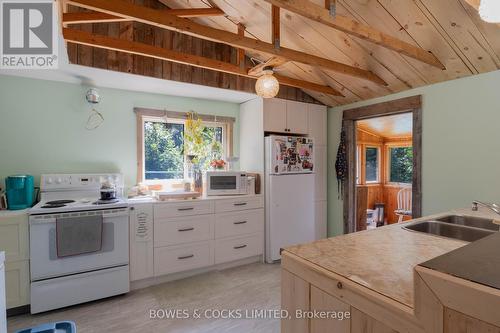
404	105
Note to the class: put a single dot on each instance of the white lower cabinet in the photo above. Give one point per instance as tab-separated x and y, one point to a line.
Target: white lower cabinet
172	259
141	241
3	309
14	242
172	237
238	248
17	281
183	230
239	223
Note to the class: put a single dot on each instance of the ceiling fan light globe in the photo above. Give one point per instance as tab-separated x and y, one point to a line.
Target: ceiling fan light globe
267	86
489	10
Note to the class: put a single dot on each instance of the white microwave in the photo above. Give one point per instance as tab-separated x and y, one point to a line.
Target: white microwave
227	183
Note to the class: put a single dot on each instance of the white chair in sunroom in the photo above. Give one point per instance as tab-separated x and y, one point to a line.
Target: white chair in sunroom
404	203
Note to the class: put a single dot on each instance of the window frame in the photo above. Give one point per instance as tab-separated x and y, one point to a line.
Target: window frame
379	163
162	116
388	147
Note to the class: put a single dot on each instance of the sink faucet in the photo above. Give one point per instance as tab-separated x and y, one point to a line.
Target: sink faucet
491	206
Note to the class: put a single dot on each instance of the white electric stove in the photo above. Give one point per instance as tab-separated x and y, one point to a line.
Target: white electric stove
72	201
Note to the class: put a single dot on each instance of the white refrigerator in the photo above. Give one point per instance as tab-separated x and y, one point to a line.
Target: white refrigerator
289	176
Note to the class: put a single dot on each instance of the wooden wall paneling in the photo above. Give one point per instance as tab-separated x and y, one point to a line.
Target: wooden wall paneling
295	295
121	61
488	30
71	47
362	323
398	65
126	60
157	63
417	163
294	36
372	13
456	322
428	308
112	61
335	43
429	35
148	62
197	73
321	301
349	197
454	19
85	53
361	205
175	73
185	47
167	43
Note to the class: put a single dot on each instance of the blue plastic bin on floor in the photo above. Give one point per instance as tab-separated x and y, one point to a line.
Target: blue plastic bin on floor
57	327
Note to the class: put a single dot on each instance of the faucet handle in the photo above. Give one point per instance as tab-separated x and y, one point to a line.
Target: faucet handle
474	206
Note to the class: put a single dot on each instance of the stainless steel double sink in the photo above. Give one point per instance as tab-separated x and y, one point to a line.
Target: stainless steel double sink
465	228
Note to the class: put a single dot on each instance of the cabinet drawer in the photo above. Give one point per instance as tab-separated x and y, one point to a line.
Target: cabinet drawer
238	248
239	223
171	259
183	230
183	208
17	283
235	204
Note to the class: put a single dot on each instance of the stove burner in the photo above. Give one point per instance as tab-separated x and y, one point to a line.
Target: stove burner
59	202
53	206
105	202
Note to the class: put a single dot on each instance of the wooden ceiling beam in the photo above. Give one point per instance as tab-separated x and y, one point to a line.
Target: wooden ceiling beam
273	62
240	58
275	32
117	44
159	19
319	14
99	17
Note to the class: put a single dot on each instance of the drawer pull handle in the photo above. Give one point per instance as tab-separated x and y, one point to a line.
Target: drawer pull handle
184	209
186	257
240	222
186	229
239	247
240	204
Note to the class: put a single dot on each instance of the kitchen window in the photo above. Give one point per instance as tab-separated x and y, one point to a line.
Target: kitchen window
400	162
162	152
372	165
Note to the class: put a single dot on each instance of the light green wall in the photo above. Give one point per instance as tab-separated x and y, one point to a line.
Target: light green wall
42	127
461	144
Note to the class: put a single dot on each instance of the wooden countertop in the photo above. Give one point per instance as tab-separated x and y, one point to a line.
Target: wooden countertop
383	259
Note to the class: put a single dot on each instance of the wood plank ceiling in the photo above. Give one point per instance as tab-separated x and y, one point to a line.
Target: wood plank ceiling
450	29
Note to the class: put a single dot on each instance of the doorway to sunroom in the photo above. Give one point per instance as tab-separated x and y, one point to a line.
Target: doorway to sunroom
384	170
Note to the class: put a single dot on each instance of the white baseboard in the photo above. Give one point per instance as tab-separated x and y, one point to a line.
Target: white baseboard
140	284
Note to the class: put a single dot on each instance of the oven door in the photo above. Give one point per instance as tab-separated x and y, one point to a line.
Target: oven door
43	247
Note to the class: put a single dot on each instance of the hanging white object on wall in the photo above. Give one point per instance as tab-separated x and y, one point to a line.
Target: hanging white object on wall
95	118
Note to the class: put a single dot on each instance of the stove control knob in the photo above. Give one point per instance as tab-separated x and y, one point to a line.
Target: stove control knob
59	180
49	180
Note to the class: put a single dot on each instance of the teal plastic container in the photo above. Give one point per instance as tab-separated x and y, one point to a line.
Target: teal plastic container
20	191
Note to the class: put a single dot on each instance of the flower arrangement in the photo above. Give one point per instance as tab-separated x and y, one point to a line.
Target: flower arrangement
218	164
193	134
